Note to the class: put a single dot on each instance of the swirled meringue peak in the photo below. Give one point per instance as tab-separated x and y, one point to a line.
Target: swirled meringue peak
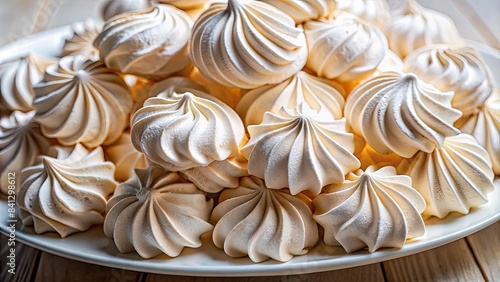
344	47
457	69
304	10
67	191
125	157
247	44
453	178
398	113
152	43
318	93
117	7
182	131
294	149
80	101
82	41
263	223
372	209
420	27
154	212
20	143
373	11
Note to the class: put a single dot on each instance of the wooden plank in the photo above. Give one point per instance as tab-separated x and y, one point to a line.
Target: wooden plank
372	272
451	262
485	245
58	269
25	265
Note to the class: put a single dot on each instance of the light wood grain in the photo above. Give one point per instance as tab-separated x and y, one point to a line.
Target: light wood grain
486	248
26	261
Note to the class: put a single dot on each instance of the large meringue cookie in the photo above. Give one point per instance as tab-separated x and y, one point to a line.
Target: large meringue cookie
125	157
344	47
373	209
373	11
304	10
116	7
20	143
457	69
80	101
420	27
453	178
182	131
396	112
319	94
82	41
66	193
263	223
152	43
154	213
294	149
247	44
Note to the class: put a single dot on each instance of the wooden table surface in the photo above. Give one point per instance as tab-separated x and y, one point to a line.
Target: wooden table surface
475	258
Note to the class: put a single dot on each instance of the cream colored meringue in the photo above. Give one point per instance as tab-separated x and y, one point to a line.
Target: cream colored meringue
66	192
82	41
154	213
319	94
304	10
373	11
80	101
396	112
457	69
263	223
247	44
152	43
297	150
344	47
20	143
453	178
116	7
125	157
391	62
373	209
182	131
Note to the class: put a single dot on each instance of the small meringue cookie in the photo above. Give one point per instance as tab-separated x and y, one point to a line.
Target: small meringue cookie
453	178
116	7
373	11
319	94
344	47
80	101
125	157
373	209
20	143
247	44
304	10
457	69
398	113
152	43
67	191
82	41
263	223
154	213
294	149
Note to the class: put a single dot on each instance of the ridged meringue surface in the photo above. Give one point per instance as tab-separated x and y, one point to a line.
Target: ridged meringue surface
152	43
372	209
154	213
318	93
302	11
66	192
80	101
296	150
396	112
263	223
125	157
457	69
453	178
116	7
373	11
344	47
247	44
82	41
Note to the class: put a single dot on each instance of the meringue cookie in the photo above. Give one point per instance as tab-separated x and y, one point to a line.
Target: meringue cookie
373	11
398	113
125	157
344	47
319	94
373	209
152	43
82	41
247	44
295	149
20	143
263	223
66	193
117	7
457	69
155	213
302	11
182	131
453	178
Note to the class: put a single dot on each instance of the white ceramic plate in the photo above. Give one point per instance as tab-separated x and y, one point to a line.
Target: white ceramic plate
93	247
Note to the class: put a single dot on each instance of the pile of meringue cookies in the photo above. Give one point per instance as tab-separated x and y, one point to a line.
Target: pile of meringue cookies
266	123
